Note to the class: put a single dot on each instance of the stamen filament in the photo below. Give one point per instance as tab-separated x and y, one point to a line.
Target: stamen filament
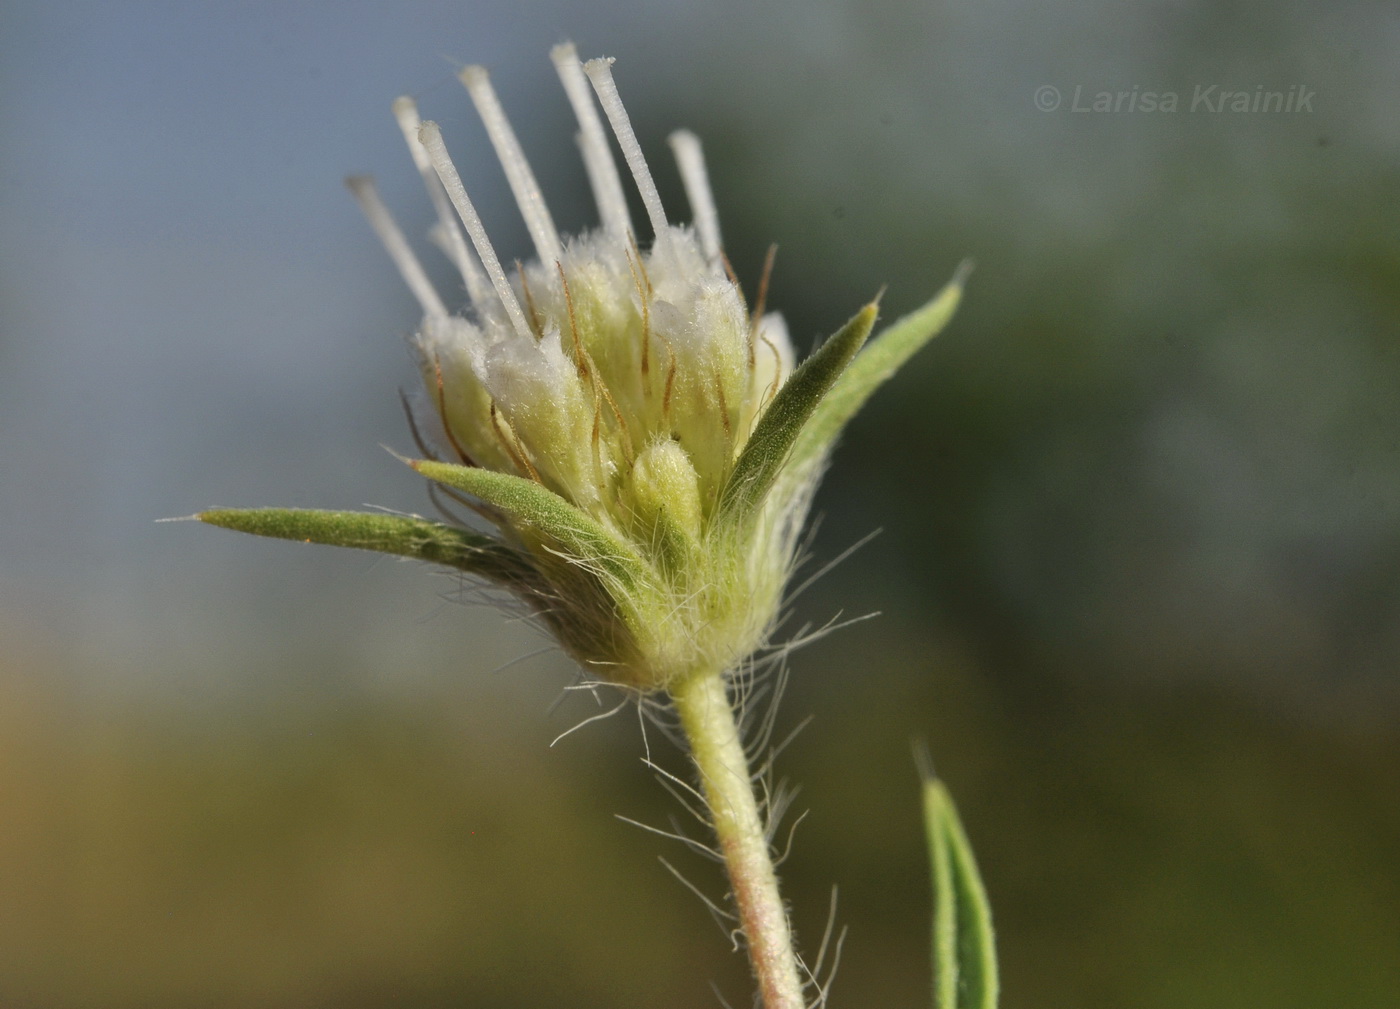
522	181
431	138
362	186
452	240
691	161
599	71
593	142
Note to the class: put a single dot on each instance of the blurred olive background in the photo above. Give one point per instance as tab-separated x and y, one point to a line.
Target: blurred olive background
1139	576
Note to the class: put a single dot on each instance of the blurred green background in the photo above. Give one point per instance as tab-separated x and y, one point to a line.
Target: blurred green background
1139	576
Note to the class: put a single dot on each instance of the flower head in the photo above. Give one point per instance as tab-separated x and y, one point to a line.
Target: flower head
631	428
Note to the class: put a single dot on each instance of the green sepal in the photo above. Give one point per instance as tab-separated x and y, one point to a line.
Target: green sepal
406	536
793	407
874	365
964	947
581	538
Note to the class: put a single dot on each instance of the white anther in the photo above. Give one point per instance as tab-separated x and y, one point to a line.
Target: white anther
593	142
512	158
431	138
599	71
396	245
449	235
691	161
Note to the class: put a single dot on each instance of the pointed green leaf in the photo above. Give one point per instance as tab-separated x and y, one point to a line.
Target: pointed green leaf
407	536
964	948
530	504
781	424
875	364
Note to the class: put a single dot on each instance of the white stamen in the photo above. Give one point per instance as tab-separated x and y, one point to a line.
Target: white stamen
431	138
691	160
597	157
599	71
396	245
449	235
512	158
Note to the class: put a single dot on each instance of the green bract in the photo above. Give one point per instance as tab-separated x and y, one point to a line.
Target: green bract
964	945
633	432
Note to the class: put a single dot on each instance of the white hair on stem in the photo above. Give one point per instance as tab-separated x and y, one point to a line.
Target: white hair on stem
453	243
722	918
691	161
431	137
593	143
820	984
678	790
690	842
362	186
599	71
522	180
590	720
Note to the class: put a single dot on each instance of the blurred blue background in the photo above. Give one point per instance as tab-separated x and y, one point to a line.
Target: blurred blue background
1140	568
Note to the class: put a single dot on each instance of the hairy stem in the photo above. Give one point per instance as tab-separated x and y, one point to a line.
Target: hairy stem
708	720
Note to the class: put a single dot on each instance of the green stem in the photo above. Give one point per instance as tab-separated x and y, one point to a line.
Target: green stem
708	720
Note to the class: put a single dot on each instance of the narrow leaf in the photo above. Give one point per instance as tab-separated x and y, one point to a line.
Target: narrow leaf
964	948
875	364
772	439
406	536
531	505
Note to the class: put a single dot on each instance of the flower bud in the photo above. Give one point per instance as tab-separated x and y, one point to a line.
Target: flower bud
665	493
